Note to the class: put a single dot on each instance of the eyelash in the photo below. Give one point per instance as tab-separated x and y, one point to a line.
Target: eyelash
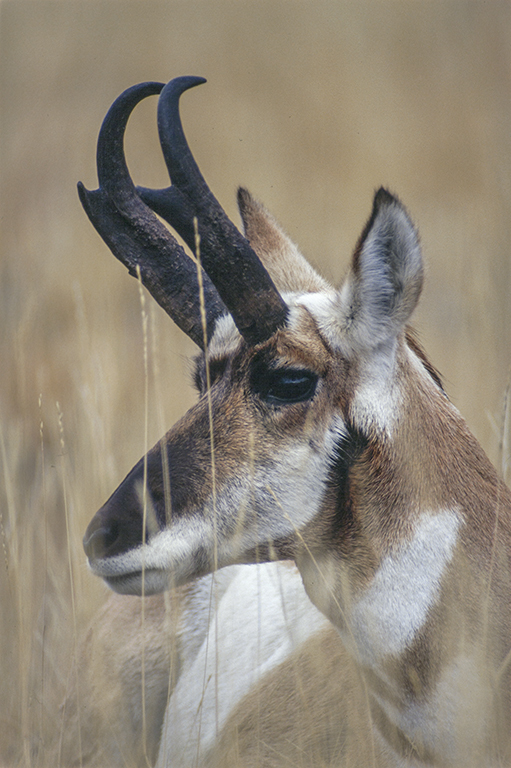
276	386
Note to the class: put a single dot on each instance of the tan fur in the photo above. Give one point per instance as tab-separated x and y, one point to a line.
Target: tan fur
102	723
295	717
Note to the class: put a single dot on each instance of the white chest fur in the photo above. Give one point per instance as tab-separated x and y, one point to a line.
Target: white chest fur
260	617
385	620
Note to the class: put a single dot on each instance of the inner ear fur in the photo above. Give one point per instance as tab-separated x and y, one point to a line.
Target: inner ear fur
385	280
289	270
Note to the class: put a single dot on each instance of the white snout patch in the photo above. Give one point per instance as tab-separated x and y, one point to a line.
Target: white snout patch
168	559
250	509
386	619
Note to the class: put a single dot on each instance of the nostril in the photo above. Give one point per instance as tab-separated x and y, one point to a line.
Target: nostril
118	527
98	541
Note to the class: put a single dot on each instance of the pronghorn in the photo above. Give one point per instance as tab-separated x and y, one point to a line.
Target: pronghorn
322	435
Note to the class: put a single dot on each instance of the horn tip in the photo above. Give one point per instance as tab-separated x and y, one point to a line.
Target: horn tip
180	84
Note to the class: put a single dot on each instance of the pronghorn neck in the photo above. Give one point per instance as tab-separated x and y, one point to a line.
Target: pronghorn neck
415	521
412	497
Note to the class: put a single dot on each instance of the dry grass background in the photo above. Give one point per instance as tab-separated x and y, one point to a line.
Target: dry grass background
311	105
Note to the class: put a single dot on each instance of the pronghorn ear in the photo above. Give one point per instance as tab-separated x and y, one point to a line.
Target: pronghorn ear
286	265
385	280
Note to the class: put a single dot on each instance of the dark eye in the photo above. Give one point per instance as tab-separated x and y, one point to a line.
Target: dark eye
285	385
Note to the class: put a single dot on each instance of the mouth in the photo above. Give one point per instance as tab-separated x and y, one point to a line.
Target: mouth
151	581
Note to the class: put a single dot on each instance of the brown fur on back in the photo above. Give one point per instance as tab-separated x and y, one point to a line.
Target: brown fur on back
101	718
295	717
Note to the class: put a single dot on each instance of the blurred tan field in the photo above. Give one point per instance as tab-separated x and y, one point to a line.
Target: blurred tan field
311	105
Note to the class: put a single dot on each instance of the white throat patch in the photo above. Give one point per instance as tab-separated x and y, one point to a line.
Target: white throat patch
394	608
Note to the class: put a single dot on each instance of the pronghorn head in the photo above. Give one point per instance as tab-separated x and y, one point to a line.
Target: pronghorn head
302	386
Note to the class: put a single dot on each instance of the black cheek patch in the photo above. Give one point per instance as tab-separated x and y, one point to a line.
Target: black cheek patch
348	451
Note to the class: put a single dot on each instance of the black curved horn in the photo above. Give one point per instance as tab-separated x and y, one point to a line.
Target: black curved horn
240	278
134	234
